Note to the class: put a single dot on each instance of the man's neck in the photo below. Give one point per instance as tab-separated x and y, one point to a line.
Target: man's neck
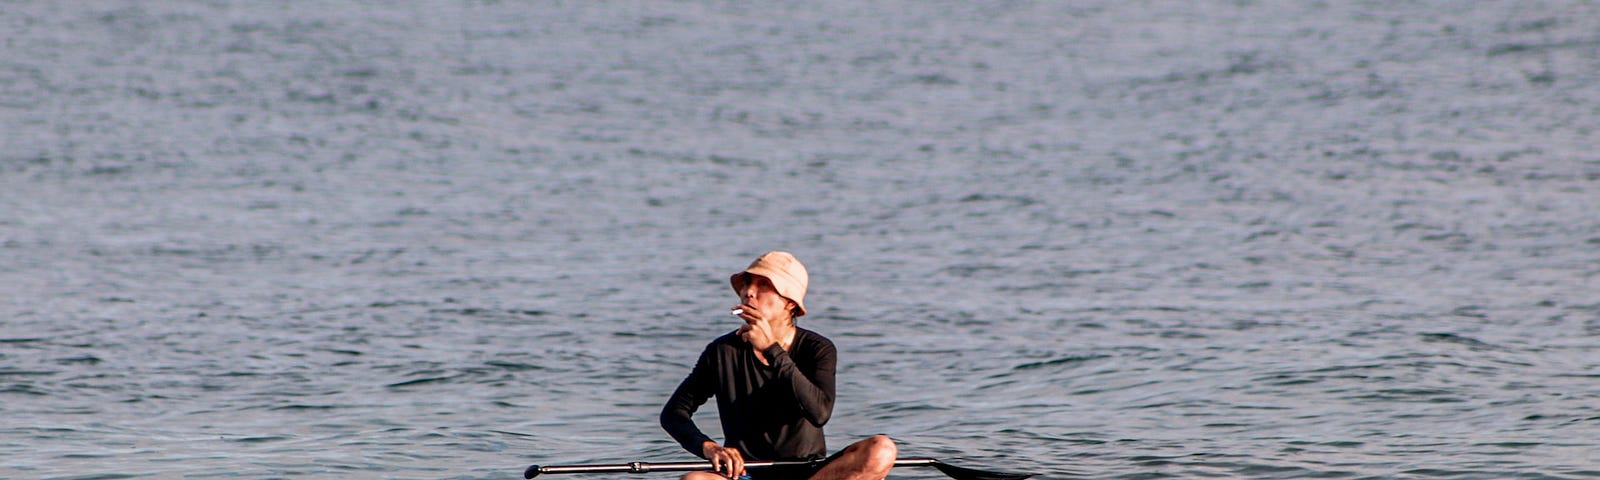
786	334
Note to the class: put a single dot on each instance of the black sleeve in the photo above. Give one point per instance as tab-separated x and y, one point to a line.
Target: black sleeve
814	389
690	395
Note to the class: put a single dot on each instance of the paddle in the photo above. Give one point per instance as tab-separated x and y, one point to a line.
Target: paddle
952	471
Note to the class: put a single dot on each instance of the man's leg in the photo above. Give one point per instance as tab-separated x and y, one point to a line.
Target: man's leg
703	476
868	459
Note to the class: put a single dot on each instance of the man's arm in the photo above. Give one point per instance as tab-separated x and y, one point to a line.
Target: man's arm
676	415
814	390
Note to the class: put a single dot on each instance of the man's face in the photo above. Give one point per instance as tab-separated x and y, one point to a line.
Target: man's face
758	292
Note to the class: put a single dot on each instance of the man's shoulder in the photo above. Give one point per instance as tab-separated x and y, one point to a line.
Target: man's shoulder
813	339
727	340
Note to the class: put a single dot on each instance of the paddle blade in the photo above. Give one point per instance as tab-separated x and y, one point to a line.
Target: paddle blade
960	473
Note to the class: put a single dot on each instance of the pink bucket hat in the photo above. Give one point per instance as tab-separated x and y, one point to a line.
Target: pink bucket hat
788	276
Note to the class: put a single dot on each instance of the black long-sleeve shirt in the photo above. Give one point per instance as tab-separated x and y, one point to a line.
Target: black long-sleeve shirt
768	412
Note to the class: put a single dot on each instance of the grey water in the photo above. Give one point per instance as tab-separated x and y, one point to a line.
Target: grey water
1130	240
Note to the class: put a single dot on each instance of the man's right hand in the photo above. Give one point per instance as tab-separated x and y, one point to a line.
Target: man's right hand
727	460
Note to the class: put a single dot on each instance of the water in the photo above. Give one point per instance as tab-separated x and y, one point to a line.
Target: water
1086	239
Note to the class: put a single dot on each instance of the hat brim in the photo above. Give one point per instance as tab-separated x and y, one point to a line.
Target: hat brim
781	281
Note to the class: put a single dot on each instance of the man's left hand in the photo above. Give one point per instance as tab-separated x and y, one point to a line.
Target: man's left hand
759	335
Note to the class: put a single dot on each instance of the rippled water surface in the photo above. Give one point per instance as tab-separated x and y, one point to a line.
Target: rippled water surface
1083	239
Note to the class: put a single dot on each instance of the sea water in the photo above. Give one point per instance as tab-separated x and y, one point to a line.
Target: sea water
1081	239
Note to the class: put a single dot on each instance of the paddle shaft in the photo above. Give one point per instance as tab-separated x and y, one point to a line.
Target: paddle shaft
646	467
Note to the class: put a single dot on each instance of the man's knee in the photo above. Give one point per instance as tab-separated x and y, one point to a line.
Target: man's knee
881	452
702	476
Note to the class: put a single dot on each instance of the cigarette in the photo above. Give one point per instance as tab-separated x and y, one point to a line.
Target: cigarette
736	312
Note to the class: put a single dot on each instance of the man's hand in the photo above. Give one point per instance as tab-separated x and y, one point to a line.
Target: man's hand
758	334
758	330
727	460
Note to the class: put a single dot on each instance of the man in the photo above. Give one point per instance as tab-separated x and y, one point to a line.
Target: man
774	386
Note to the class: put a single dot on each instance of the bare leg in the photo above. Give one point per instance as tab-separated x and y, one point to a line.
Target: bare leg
868	459
703	476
